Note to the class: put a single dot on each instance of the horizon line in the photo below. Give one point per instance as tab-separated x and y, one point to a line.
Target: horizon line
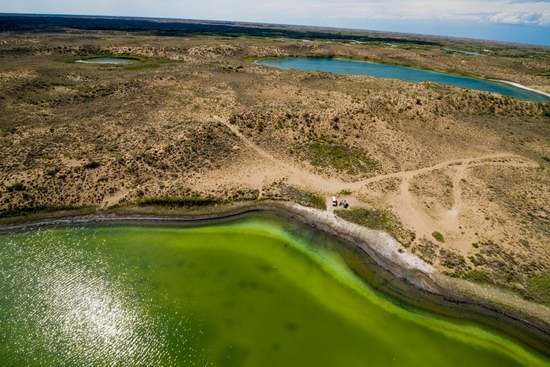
438	36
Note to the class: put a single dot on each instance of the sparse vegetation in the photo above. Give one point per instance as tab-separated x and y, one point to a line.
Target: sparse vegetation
539	286
305	198
453	260
506	269
378	219
52	171
177	202
478	259
315	200
34	210
477	276
426	250
15	186
327	152
145	63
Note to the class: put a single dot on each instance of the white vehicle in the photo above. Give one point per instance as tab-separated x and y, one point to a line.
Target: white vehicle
334	202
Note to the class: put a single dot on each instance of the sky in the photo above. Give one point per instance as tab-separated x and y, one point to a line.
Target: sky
523	21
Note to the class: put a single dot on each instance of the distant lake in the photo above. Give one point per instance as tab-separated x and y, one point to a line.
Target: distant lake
471	53
352	67
107	60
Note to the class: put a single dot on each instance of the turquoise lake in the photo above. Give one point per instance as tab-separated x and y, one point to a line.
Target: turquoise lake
107	60
352	67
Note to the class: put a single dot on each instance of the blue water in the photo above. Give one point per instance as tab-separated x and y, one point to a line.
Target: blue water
340	66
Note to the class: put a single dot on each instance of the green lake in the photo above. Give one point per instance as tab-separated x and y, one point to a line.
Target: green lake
352	67
255	291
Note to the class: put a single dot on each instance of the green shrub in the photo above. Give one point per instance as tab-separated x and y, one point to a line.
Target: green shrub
92	165
260	126
438	236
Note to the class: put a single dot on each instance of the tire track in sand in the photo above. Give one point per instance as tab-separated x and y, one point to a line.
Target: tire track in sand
404	203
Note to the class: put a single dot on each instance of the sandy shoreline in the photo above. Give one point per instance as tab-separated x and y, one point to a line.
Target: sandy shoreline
521	86
419	284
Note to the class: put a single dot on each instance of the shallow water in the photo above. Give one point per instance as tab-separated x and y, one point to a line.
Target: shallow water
253	292
471	53
107	60
340	66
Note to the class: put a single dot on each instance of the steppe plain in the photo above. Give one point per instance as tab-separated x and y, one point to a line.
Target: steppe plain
461	178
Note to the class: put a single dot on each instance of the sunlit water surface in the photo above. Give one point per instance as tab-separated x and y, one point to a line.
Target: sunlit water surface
341	66
246	293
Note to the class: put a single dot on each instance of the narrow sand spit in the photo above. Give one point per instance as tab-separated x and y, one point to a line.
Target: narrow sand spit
524	87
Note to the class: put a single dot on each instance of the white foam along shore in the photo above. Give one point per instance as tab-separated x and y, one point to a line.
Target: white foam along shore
383	246
521	86
385	251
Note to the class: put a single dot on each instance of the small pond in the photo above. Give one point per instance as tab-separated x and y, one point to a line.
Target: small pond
107	60
342	66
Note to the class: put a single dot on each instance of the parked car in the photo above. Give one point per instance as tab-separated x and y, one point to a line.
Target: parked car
334	202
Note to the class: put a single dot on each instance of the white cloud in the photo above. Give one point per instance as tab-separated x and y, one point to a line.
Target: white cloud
531	12
533	18
495	11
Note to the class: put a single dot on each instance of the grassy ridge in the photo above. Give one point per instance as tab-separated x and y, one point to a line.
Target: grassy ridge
35	210
177	202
